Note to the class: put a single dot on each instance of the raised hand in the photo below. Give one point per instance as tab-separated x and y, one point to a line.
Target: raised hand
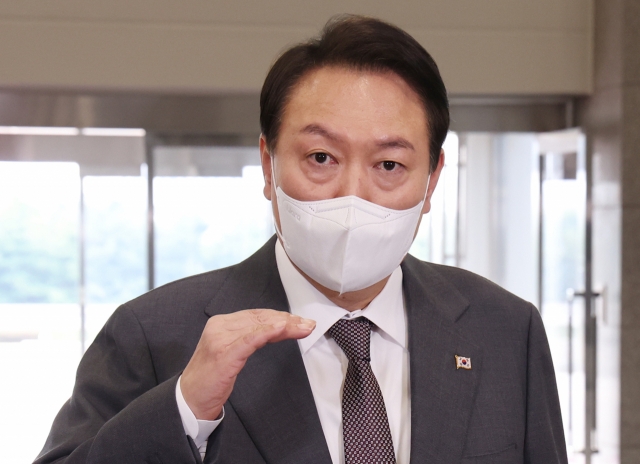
226	343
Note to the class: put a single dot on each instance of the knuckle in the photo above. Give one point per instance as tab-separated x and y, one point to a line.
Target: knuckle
251	336
260	316
220	354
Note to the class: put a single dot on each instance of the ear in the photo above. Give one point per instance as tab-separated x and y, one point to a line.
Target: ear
265	160
433	181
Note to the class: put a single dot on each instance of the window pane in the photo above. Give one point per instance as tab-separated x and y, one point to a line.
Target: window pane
205	223
39	211
115	211
39	314
115	238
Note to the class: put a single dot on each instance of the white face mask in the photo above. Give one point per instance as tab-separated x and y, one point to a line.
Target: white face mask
346	243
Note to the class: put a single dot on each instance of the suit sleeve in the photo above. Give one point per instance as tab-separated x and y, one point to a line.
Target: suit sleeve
544	436
118	412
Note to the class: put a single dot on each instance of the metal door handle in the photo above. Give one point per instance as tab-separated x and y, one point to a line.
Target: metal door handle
591	349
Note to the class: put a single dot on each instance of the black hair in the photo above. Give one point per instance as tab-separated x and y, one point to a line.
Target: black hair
364	44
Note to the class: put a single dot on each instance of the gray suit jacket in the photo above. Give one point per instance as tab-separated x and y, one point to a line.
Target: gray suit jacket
504	410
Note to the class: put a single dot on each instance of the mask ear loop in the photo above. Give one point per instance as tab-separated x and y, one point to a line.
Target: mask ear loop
426	192
273	172
424	199
275	188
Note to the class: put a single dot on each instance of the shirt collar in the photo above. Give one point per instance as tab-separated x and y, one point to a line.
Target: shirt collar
386	310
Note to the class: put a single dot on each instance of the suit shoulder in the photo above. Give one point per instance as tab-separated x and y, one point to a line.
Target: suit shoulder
192	295
481	293
185	295
474	284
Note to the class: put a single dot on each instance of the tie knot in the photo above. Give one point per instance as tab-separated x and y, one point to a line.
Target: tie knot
353	337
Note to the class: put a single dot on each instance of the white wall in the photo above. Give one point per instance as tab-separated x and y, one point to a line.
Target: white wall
482	46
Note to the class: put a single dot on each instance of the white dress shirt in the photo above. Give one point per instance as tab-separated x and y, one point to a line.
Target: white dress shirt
198	430
326	364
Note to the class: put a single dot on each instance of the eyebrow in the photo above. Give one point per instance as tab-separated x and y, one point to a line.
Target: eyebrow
316	129
396	142
392	142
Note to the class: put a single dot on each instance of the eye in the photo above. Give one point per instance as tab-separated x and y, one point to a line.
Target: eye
321	158
389	165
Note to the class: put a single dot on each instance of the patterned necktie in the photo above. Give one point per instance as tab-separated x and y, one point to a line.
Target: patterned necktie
367	437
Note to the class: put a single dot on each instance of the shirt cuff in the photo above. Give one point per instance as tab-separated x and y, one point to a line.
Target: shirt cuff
198	430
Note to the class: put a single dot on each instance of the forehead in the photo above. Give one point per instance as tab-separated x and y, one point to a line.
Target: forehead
354	100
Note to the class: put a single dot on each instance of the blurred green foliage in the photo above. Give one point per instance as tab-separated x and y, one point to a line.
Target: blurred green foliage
39	253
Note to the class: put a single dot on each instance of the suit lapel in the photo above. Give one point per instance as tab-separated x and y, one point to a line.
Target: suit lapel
272	396
442	396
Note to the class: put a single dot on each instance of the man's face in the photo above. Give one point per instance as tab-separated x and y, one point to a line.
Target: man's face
346	132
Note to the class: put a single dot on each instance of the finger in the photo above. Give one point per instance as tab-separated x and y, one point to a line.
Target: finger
241	320
260	335
252	317
294	327
295	330
254	338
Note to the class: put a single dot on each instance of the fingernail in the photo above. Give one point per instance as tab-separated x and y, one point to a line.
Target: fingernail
279	324
307	325
307	321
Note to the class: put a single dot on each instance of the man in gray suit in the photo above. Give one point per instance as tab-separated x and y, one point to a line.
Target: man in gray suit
330	344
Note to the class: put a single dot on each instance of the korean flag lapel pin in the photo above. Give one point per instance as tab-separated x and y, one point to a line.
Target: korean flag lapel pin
463	363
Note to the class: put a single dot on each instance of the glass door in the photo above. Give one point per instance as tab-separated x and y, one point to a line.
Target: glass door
72	247
39	311
208	208
524	224
568	301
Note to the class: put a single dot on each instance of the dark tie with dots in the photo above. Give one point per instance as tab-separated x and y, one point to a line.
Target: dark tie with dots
367	437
